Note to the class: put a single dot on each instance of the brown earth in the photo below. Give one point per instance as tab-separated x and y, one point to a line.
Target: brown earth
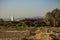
31	33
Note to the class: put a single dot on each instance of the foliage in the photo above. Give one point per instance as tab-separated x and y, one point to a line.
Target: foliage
51	19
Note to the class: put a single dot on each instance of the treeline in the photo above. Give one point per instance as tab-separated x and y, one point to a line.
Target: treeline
22	23
51	19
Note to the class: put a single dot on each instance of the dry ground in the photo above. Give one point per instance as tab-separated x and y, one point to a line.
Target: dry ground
31	33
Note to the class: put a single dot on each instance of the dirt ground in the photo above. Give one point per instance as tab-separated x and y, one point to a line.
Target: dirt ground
31	33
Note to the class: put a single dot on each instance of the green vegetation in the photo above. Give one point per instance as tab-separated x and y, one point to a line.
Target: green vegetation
51	19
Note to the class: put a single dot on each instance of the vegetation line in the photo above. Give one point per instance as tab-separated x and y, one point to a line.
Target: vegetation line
51	19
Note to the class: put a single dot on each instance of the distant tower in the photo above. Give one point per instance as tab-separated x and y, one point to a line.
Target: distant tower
12	18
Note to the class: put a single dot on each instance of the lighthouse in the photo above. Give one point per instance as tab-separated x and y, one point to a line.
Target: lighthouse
12	18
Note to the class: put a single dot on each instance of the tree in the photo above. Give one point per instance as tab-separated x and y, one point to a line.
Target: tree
48	18
1	21
53	17
18	25
24	24
55	14
36	23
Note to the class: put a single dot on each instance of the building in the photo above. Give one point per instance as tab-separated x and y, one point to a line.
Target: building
12	18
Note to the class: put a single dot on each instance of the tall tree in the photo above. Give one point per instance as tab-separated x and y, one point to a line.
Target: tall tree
55	14
53	17
48	18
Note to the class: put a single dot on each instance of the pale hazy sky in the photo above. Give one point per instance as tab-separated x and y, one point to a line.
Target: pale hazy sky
26	8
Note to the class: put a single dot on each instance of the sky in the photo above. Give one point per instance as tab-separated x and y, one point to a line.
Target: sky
26	8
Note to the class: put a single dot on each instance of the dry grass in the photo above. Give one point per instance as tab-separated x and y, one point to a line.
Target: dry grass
42	33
